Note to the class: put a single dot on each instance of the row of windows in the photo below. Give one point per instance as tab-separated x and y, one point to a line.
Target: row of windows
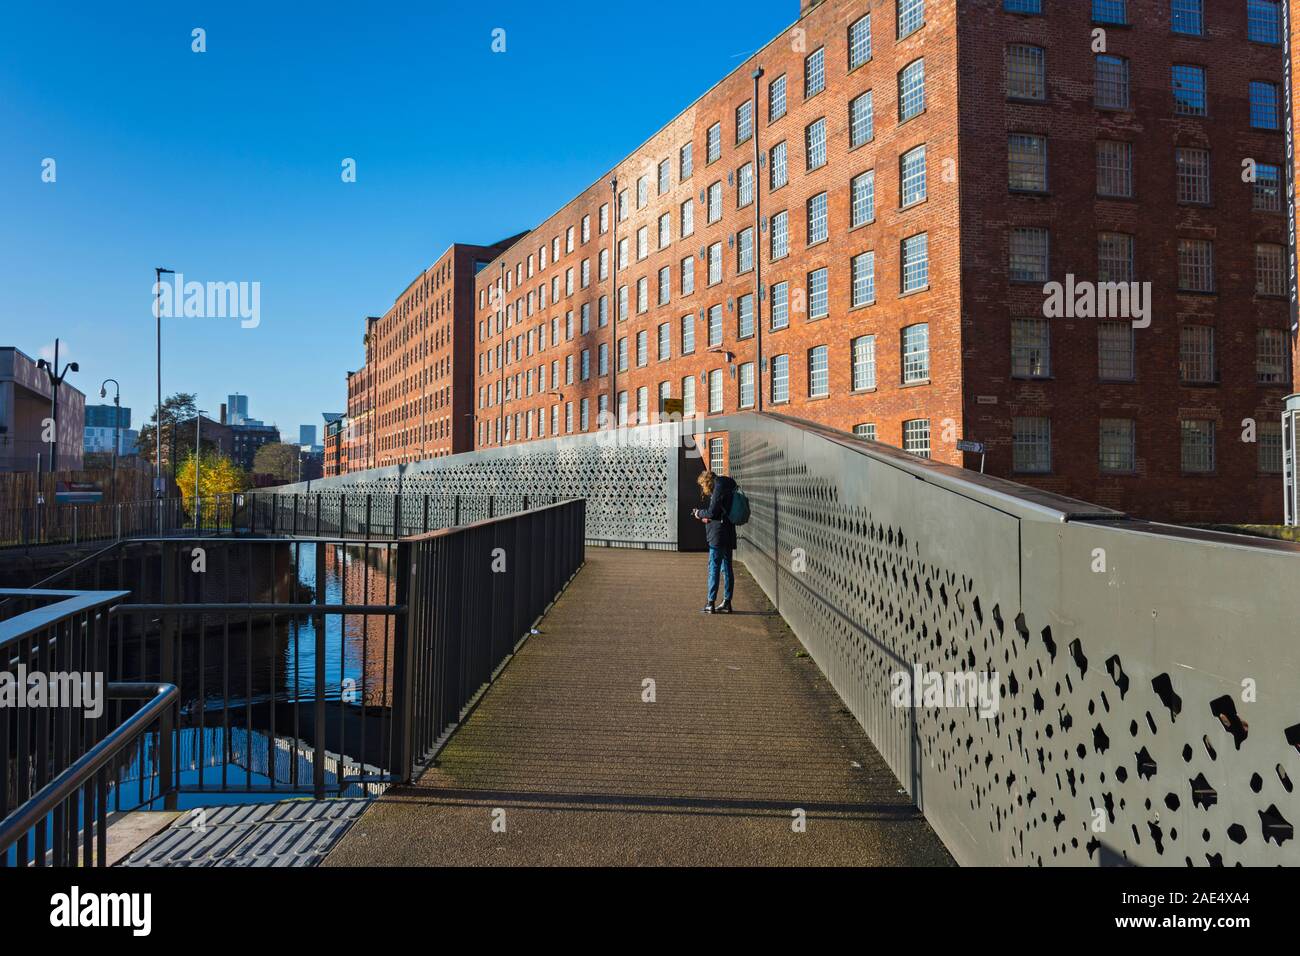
1030	261
1031	446
1025	75
1027	171
1187	17
1031	352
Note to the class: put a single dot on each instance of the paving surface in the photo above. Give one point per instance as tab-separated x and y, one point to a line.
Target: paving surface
565	761
288	833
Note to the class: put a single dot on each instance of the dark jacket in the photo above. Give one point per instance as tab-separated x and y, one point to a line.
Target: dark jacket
720	532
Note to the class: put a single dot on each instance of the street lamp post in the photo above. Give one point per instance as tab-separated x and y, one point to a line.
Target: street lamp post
56	379
117	425
158	273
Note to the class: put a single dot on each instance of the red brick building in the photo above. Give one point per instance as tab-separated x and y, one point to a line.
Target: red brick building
411	398
879	199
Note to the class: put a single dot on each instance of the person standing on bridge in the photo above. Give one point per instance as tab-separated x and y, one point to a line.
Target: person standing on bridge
721	535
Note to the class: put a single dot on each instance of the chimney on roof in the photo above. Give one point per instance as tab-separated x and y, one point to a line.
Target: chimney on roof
223	413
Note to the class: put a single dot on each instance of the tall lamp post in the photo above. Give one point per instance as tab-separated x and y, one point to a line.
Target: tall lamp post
117	424
56	379
158	273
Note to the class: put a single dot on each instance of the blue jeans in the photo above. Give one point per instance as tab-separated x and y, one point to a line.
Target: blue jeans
720	560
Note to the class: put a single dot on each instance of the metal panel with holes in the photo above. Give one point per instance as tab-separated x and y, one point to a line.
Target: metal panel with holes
1125	653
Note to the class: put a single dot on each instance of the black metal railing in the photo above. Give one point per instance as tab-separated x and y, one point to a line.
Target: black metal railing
472	594
324	666
54	657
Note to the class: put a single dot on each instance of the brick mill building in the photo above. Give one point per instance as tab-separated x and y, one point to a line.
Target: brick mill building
860	226
411	398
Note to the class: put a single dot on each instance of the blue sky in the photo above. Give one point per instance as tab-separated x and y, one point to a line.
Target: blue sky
225	165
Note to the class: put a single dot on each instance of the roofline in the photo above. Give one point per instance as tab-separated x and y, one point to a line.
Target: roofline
746	65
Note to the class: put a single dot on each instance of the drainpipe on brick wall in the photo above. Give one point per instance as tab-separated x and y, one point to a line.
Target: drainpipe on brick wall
501	359
613	301
758	251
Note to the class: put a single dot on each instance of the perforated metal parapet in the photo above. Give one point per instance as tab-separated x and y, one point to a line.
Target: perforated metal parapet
1125	656
628	476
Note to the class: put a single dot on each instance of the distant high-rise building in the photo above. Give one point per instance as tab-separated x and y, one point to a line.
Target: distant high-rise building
306	434
99	430
236	409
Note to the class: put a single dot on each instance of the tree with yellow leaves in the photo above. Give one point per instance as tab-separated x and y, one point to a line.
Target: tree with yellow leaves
219	477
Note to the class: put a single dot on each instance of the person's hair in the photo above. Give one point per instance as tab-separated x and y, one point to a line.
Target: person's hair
705	481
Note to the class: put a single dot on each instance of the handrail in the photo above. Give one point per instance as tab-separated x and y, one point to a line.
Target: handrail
80	771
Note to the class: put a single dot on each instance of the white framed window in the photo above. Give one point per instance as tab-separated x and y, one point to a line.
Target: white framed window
862	198
1270	269
780	378
744	121
780	173
911	90
1188	16
818	228
814	72
1267	193
815	143
1029	254
865	430
1269	440
665	285
688	334
715	455
1195	265
780	235
1197	445
665	230
665	340
861	125
859	42
916	352
1031	444
780	308
911	17
745	316
1264	21
1265	105
745	250
685	164
744	185
1110	82
916	437
745	384
912	177
713	144
687	218
1114	257
862	268
715	391
1114	169
1031	347
1193	175
818	294
1026	72
915	262
665	176
1115	356
1027	162
819	373
715	263
1196	354
715	326
688	396
688	275
1270	356
863	353
642	349
1117	449
714	209
776	99
1190	95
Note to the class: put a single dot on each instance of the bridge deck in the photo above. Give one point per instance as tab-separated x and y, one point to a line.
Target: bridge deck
743	730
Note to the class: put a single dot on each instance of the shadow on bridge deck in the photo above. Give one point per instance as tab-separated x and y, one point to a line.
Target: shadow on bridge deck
743	730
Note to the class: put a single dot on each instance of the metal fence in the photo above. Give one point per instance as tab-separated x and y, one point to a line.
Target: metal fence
1145	676
58	754
329	666
473	595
